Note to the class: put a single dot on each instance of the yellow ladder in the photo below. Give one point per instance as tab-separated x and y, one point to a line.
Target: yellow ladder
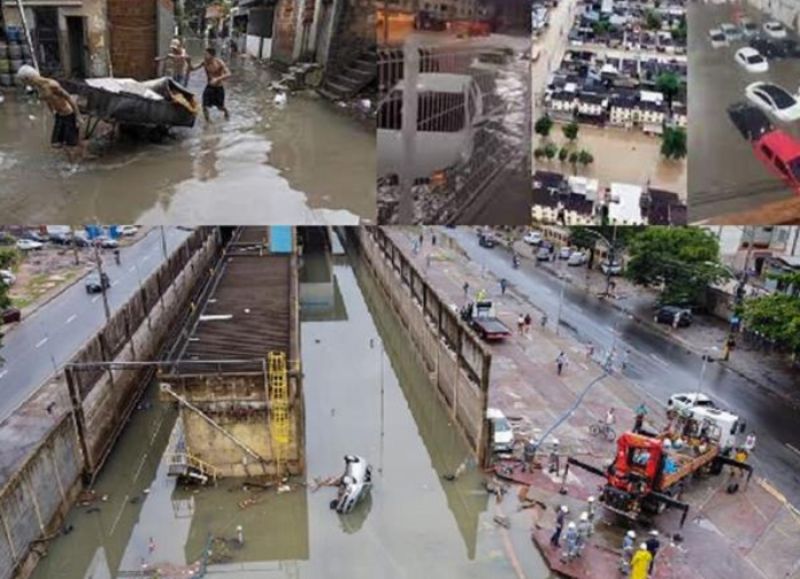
279	405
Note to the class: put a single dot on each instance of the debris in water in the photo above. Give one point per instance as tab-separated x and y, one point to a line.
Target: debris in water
31	117
459	471
280	99
284	488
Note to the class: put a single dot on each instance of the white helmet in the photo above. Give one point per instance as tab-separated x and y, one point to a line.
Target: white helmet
571	525
564	509
554	442
631	534
654	533
643	547
584	516
591	499
667	444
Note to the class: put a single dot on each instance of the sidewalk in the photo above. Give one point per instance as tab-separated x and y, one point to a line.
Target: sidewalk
769	371
742	536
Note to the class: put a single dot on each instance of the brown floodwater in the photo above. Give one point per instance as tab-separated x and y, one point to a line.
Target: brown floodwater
365	393
309	161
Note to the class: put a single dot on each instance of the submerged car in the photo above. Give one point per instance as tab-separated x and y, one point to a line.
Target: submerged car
611	268
95	283
450	109
718	38
774	29
29	245
731	31
577	258
751	60
685	401
774	100
354	486
674	316
532	238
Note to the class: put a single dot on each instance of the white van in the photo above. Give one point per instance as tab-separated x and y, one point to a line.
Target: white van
502	433
450	108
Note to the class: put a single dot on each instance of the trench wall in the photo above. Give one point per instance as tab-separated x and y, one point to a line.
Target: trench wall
42	458
456	361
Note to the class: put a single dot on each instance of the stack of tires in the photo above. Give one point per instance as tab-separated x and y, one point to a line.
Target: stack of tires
6	79
13	54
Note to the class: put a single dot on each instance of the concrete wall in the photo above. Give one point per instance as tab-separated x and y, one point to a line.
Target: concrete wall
41	460
134	30
457	363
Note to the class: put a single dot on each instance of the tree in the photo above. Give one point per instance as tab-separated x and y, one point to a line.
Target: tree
550	151
673	143
653	20
601	27
9	257
563	153
683	261
538	153
585	158
777	316
679	32
573	160
669	85
543	126
570	131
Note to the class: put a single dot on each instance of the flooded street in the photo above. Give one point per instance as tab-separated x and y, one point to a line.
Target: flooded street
365	393
622	156
305	162
726	177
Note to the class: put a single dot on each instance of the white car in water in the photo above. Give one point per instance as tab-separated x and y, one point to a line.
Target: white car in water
774	100
449	110
687	400
718	38
751	60
775	30
28	244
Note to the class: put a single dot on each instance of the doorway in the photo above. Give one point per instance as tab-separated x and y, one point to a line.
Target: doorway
77	46
46	40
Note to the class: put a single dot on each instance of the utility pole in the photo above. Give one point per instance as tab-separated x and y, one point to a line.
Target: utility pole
27	31
99	260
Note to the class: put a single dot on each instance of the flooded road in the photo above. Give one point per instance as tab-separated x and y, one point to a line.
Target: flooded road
726	177
364	393
306	162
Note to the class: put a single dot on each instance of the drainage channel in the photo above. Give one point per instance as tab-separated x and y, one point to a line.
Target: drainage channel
366	394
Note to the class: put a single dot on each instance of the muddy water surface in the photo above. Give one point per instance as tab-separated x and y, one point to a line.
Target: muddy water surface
365	393
305	162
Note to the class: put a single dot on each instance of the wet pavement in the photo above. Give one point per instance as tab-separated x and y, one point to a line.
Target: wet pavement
364	393
726	177
306	162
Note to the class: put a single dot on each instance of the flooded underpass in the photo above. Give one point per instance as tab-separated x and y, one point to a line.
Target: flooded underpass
365	394
306	161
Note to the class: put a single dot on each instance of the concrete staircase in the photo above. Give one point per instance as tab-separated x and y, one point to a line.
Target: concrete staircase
349	80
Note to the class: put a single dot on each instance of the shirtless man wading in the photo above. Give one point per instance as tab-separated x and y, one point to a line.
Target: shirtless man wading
66	128
214	93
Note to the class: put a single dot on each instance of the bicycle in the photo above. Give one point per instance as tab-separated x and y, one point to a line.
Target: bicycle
601	428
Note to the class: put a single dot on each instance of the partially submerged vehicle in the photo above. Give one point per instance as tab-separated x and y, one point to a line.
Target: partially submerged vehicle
354	486
155	104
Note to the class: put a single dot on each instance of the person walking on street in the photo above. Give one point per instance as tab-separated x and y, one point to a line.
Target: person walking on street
641	412
421	238
561	518
750	443
554	466
591	508
466	289
528	321
217	72
561	361
628	545
640	563
117	257
544	321
653	545
503	286
589	351
521	324
611	418
433	239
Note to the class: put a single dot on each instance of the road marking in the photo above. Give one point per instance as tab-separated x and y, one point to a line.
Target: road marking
790	446
71	319
132	268
659	360
115	282
3	373
95	298
41	342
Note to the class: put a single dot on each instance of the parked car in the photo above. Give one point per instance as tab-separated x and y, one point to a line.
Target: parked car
95	283
487	240
7	277
774	100
674	316
564	252
60	238
34	236
774	29
543	254
29	245
502	432
749	28
718	38
611	268
686	401
751	60
577	258
780	153
10	315
128	230
533	238
107	242
81	240
451	110
731	31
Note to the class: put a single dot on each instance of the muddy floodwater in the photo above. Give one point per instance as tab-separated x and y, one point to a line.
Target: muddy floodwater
365	393
726	177
308	161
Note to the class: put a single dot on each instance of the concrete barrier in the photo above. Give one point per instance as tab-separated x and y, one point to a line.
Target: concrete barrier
457	363
44	453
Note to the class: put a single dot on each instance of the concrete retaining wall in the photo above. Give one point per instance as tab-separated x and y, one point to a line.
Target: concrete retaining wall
42	459
457	363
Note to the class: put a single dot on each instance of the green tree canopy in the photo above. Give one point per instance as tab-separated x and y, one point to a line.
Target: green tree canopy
543	126
550	151
673	143
585	158
570	130
669	85
683	261
563	153
653	20
776	316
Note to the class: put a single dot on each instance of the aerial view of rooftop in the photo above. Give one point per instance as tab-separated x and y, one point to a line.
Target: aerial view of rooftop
609	109
453	115
745	66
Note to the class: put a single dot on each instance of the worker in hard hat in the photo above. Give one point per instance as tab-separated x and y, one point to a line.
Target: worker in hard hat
628	545
640	563
584	530
571	538
591	508
653	545
555	461
561	518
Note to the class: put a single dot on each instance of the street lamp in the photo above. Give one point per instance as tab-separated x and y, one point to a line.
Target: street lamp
564	278
612	248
